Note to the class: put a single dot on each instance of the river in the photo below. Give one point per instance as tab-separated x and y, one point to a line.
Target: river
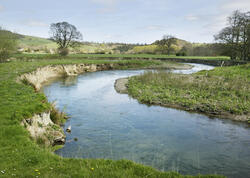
109	125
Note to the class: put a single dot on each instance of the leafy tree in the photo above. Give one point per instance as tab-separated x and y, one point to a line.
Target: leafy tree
165	45
65	35
147	49
8	44
124	48
236	36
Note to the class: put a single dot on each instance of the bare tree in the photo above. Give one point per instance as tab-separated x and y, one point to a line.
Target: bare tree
65	35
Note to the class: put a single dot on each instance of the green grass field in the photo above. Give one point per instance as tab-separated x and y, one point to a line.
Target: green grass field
133	56
22	157
222	91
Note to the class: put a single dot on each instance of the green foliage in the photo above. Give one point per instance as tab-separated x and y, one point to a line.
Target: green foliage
124	48
222	90
63	51
8	42
58	117
149	49
181	54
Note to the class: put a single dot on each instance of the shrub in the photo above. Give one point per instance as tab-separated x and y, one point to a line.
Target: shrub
8	41
63	51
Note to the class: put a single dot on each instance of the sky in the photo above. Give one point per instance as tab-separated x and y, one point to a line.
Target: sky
128	21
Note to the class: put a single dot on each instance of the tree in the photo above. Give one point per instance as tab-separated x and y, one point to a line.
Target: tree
8	44
165	45
65	35
236	36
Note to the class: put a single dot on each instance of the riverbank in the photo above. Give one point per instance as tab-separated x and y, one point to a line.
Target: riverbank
22	157
222	92
27	56
44	128
207	60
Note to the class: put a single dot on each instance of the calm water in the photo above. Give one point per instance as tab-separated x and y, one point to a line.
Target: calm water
113	126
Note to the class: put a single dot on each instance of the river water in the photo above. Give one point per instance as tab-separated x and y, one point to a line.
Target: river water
109	125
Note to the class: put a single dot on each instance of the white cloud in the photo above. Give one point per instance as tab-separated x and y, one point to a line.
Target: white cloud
191	17
35	23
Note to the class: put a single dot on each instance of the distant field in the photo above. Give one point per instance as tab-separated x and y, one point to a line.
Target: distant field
146	56
29	41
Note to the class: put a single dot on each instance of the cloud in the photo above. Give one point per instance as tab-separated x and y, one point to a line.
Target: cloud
35	23
232	5
191	17
156	27
219	20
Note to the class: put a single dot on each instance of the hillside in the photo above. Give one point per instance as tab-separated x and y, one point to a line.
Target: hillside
31	41
31	44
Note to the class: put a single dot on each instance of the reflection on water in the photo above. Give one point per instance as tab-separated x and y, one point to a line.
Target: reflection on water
113	126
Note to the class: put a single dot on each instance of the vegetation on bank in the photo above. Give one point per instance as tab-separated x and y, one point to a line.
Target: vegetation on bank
115	56
222	91
22	157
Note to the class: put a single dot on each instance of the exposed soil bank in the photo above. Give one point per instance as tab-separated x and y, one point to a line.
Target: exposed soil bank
121	86
42	75
41	127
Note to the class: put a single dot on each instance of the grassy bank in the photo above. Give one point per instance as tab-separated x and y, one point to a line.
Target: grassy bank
223	92
22	157
145	56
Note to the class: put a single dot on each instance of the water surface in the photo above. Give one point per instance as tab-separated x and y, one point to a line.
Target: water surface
113	126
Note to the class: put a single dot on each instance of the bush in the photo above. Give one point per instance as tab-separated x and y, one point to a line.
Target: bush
8	42
181	54
63	51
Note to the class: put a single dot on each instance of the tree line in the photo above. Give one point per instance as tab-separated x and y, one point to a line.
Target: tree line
233	41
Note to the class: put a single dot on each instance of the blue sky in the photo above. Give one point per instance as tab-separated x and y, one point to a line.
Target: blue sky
130	21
